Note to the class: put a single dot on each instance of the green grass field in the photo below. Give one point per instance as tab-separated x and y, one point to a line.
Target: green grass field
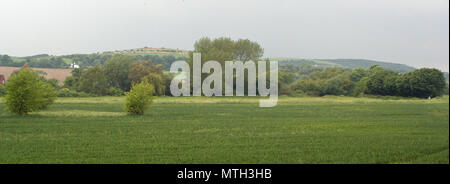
230	130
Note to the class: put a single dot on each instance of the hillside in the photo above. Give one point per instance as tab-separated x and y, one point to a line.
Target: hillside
150	51
343	63
165	56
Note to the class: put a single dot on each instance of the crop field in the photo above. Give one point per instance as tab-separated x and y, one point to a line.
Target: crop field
51	73
230	130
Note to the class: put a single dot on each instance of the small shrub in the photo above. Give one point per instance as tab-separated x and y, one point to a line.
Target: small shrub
26	92
115	91
139	98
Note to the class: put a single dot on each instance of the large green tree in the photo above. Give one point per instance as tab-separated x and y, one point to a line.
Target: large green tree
245	50
157	82
93	81
140	69
116	72
225	49
357	74
381	81
422	83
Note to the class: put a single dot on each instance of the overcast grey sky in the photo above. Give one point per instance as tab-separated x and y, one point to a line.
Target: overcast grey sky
413	32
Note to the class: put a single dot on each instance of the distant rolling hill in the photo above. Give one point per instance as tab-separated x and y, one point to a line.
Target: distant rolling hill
344	63
165	57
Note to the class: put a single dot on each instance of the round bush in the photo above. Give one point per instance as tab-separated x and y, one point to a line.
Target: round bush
139	98
26	92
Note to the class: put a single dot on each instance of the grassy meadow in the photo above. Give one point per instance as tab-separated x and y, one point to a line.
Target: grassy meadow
230	130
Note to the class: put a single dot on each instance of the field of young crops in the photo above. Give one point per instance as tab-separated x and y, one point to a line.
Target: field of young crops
230	130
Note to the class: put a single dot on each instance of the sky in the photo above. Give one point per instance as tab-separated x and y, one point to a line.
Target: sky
412	32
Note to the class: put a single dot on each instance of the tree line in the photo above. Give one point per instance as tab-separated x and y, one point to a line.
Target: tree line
115	77
421	83
38	61
117	74
314	81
